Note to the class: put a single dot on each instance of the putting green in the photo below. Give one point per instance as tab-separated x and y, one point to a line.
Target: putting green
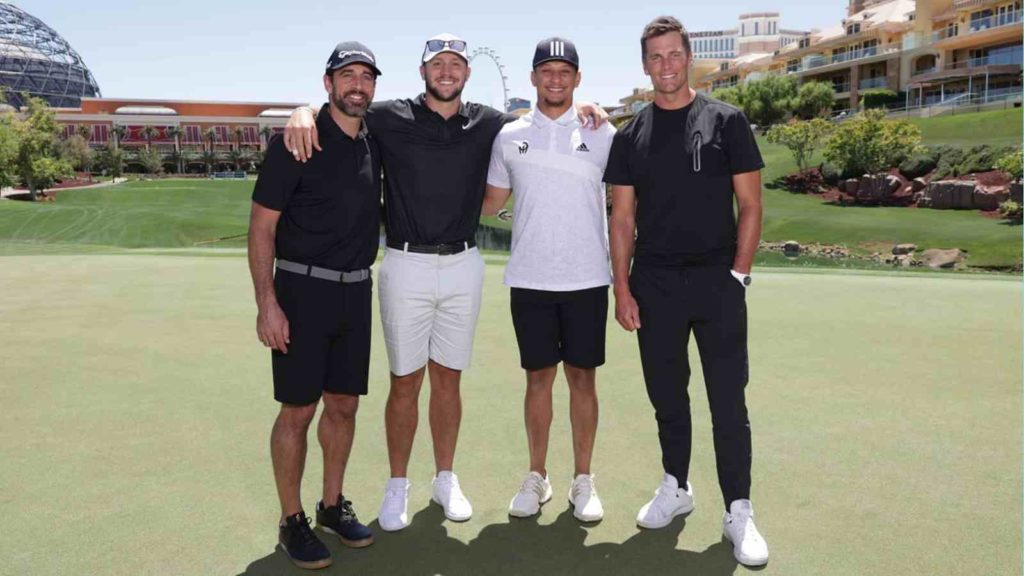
137	405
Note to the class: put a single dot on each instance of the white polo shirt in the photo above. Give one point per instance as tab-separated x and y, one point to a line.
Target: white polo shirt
559	226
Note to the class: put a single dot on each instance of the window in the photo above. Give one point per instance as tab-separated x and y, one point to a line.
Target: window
221	134
193	135
755	28
249	135
853	28
70	130
100	134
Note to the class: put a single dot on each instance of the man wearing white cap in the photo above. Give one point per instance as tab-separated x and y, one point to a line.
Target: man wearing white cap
435	150
558	271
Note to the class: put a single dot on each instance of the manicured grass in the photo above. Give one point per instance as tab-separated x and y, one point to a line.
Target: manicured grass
992	127
886	415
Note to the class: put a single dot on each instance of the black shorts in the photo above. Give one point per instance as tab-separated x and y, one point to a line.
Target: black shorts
329	325
553	327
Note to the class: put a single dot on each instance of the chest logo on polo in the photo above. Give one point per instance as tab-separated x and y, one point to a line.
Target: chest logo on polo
582	147
523	145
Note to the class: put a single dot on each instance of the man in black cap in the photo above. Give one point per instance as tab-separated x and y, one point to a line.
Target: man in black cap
558	270
321	222
435	150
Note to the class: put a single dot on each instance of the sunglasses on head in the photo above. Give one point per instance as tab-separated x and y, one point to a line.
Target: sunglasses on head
438	45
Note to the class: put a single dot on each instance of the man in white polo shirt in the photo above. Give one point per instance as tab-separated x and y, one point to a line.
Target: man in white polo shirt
558	271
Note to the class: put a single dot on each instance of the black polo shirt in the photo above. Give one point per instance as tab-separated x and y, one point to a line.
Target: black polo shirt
330	206
684	212
435	170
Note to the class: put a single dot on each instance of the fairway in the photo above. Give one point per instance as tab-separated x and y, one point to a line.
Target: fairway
886	414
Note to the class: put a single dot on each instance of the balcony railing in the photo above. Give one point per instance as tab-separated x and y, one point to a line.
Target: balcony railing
1009	59
924	71
839	88
818	61
868	83
979	25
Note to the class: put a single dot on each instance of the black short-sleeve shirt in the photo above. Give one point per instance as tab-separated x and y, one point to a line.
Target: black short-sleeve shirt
435	170
683	180
330	206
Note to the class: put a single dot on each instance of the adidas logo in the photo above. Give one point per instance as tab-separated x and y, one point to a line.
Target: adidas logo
582	147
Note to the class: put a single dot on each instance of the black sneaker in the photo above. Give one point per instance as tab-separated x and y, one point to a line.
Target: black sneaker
341	521
301	545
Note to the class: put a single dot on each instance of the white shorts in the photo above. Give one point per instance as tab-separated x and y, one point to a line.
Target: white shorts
429	305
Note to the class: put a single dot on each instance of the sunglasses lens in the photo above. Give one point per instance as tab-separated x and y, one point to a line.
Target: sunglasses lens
457	45
435	45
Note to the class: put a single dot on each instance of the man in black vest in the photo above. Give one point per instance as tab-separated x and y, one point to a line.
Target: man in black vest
675	171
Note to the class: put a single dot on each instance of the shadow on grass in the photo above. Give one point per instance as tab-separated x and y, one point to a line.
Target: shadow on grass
512	547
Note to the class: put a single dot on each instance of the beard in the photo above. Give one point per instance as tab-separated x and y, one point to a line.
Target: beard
435	91
349	109
556	101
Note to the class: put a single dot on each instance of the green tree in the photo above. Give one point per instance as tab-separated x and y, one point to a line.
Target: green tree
110	160
732	95
8	150
209	158
211	136
266	132
868	144
75	149
85	131
814	99
149	132
769	100
151	160
39	165
801	137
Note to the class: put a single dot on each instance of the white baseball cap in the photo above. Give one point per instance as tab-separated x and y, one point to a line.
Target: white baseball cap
445	43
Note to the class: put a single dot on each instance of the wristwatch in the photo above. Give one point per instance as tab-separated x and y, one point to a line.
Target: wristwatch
743	279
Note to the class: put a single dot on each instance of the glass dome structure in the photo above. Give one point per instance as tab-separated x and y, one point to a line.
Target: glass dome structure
36	60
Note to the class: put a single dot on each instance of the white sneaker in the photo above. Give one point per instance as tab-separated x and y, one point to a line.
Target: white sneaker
394	510
449	495
669	501
748	546
534	491
586	505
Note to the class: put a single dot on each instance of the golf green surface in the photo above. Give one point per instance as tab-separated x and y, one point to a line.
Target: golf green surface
886	414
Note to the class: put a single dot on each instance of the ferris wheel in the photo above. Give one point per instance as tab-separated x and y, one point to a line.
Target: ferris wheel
489	53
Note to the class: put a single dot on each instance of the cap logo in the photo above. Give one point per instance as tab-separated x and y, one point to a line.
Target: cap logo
557	48
342	54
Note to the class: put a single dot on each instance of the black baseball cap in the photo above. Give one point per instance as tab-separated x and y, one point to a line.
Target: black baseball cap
556	49
347	53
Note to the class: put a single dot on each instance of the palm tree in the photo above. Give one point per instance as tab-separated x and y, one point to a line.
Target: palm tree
149	132
266	132
239	132
84	130
118	132
209	158
176	132
211	136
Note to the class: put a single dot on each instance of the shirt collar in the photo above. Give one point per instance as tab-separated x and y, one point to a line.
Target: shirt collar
568	118
326	125
421	100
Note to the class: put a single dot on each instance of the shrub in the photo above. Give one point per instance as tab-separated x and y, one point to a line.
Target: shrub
1012	211
814	99
1012	164
920	163
732	95
830	174
980	158
949	162
878	98
867	144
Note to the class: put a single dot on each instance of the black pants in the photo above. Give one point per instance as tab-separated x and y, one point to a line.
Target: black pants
711	303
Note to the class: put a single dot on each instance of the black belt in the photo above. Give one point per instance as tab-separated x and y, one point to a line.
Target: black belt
349	277
440	249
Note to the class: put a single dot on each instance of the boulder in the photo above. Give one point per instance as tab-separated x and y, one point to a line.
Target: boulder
903	249
850	186
893	183
791	248
948	195
918	184
873	188
937	258
989	198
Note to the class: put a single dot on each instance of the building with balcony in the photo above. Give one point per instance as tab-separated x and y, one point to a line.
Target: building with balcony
756	32
963	49
928	51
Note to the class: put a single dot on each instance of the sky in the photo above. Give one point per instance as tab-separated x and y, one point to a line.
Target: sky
275	51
